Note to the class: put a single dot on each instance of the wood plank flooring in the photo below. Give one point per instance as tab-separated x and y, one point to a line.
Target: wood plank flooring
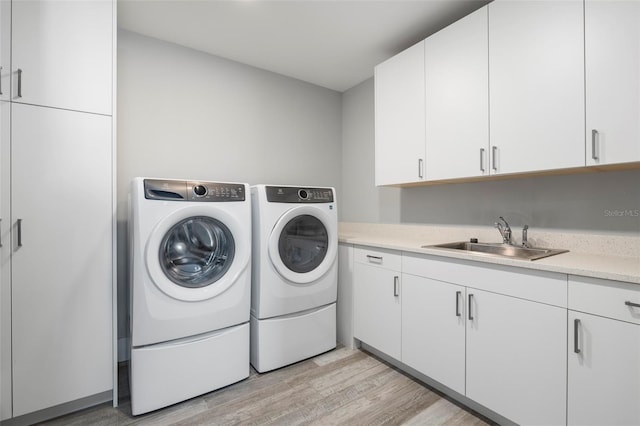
341	387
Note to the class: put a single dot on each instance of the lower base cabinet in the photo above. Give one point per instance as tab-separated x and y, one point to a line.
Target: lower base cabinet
433	329
376	306
534	347
506	353
603	353
604	371
516	357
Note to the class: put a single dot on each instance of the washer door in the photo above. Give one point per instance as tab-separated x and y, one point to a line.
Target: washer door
193	255
302	245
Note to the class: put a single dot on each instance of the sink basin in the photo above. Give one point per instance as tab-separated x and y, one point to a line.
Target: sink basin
497	249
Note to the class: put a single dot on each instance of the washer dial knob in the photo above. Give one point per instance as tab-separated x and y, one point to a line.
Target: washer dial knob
200	190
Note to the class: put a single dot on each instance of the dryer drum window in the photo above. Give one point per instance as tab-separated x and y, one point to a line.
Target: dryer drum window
197	251
303	243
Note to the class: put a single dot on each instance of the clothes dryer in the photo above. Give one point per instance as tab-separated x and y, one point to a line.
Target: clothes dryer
294	274
190	251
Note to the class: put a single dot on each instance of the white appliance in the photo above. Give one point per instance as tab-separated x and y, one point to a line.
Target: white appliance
294	274
190	289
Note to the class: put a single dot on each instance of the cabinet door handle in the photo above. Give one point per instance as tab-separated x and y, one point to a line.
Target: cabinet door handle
396	286
458	294
0	217
420	168
19	232
594	144
375	259
576	329
0	80
630	303
470	303
482	159
19	83
494	155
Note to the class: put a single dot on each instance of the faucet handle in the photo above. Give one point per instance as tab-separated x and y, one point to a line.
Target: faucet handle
525	241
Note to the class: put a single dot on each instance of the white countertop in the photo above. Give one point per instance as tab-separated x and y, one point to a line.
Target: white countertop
610	257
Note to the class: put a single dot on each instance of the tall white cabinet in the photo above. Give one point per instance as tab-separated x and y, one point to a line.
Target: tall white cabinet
612	70
57	207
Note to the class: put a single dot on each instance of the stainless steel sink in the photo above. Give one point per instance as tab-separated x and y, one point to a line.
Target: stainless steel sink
499	249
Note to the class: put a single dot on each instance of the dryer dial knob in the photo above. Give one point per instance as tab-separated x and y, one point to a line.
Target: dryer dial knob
200	190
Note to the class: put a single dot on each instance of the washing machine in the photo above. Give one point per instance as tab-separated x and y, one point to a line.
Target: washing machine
294	274
190	254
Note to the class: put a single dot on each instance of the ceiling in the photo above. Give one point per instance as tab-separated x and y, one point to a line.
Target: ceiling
329	43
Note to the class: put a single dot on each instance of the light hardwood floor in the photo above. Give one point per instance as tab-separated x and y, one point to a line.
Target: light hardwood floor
341	387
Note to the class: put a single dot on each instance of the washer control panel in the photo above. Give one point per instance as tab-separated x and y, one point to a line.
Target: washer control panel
200	191
289	194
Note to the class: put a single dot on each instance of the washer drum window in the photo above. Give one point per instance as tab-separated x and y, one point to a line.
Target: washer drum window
196	252
303	243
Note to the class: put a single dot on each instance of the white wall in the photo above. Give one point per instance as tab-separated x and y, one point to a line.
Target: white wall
586	202
187	114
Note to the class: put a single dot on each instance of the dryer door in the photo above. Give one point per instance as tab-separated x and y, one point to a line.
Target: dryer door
192	255
303	244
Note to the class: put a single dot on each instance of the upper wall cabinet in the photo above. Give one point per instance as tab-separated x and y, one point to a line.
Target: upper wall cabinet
61	54
612	52
457	99
399	118
536	64
5	50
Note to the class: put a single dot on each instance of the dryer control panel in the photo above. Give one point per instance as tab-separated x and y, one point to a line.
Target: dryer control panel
289	194
199	191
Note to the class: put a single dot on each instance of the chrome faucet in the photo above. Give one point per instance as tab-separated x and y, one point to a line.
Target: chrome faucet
504	229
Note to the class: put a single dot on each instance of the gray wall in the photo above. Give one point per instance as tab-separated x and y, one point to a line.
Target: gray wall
186	114
362	201
607	202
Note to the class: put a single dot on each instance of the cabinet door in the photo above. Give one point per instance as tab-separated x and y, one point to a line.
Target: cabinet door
61	267
536	85
433	330
64	51
399	118
5	50
5	261
377	312
516	357
457	99
612	52
604	377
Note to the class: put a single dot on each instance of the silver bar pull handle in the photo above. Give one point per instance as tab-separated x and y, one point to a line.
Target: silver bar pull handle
494	161
19	83
420	168
458	294
19	232
0	86
0	217
594	144
482	159
396	286
374	259
576	329
470	303
630	303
